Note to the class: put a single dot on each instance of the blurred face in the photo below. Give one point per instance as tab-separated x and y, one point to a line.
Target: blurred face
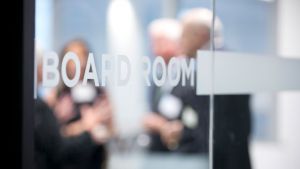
82	53
194	37
164	47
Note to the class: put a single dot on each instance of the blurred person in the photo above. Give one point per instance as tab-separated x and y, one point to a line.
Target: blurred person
81	96
164	127
85	100
164	35
180	119
231	112
52	150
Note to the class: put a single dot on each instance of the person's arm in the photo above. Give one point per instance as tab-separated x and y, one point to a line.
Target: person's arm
169	131
49	140
194	139
154	122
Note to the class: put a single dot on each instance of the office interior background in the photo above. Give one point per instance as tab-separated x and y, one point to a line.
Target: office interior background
267	28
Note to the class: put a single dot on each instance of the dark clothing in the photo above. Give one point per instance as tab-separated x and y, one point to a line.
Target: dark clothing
64	90
52	151
232	124
232	127
193	140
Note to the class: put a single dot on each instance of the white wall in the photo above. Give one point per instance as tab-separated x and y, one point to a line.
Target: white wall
286	152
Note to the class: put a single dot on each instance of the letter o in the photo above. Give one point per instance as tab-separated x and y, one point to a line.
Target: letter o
159	60
177	66
70	82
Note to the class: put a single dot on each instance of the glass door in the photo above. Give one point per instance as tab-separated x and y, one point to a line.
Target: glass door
116	84
255	84
192	84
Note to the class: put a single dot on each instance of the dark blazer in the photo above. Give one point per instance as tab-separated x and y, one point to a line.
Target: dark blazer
232	124
193	140
232	127
55	152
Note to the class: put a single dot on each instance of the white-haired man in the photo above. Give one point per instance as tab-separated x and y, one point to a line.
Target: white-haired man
162	123
165	37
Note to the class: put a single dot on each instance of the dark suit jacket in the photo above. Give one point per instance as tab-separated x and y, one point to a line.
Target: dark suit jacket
232	123
192	140
232	126
55	152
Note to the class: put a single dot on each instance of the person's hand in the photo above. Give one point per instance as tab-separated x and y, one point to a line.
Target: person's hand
97	120
89	118
51	97
153	122
100	134
63	109
104	110
170	133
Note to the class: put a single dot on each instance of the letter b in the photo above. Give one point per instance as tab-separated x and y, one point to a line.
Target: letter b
50	70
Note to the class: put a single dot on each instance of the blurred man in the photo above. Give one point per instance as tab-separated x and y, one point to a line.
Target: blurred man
179	122
231	112
197	26
164	126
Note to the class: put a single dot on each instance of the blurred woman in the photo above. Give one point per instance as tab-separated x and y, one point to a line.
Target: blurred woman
61	142
77	107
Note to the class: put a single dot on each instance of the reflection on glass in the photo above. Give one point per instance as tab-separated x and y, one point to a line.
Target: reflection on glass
150	123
